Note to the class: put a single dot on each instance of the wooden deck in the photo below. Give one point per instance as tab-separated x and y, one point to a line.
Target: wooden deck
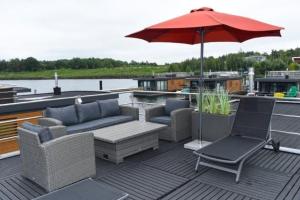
168	173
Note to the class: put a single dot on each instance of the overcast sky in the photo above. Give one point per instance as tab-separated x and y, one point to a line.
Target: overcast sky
55	29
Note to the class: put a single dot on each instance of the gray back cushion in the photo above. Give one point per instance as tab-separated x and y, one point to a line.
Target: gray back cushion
43	132
175	104
109	107
88	111
67	115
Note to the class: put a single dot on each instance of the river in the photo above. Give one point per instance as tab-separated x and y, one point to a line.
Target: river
45	86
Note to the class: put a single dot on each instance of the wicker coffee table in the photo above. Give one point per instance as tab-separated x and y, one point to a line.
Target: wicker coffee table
114	143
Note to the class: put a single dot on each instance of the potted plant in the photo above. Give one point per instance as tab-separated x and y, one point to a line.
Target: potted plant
217	116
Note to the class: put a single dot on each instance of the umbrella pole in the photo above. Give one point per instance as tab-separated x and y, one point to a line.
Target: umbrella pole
201	80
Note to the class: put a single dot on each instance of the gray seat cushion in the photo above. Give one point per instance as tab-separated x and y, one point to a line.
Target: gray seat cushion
231	148
88	111
175	104
43	132
67	115
161	120
99	123
109	107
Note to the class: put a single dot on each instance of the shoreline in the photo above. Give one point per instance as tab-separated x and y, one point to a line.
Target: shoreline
84	77
103	73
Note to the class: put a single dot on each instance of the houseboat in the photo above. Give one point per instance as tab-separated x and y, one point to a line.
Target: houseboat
229	81
279	82
167	82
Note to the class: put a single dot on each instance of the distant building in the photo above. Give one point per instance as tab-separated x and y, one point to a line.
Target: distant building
277	81
230	81
165	82
257	58
296	59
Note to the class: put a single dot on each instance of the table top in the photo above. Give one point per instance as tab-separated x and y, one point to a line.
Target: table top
87	189
124	131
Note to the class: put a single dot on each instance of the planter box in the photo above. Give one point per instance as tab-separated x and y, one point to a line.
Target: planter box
214	126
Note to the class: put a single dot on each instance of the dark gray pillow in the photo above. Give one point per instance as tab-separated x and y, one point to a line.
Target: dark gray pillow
175	104
109	107
88	111
43	132
67	115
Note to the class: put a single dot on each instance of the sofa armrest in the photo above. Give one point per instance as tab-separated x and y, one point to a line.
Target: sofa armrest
45	121
131	111
154	111
181	122
58	131
69	147
69	158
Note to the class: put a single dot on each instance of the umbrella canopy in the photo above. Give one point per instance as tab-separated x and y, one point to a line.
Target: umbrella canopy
205	25
218	27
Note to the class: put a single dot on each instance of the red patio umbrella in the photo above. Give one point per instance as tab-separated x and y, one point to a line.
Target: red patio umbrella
205	25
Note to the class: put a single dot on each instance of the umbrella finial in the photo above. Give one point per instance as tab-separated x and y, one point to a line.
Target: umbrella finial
202	9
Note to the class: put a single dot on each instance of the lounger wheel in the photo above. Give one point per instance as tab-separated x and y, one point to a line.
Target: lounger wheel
275	145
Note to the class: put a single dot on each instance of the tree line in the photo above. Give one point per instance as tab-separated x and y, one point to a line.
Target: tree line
32	64
241	61
276	60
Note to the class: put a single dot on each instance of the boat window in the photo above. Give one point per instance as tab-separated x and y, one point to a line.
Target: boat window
161	85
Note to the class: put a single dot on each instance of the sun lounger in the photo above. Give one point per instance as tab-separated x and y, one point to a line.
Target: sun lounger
250	132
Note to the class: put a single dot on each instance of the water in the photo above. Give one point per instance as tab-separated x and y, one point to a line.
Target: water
46	86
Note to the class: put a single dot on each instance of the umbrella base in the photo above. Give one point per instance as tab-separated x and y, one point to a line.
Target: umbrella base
196	144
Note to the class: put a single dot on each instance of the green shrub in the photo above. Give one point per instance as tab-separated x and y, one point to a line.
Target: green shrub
215	102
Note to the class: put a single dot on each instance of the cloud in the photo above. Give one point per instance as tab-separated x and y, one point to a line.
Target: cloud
53	29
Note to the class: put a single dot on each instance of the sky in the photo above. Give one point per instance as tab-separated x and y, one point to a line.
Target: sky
58	29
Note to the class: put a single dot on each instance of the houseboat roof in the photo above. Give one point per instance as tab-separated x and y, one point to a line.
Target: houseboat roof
219	78
6	86
159	78
278	79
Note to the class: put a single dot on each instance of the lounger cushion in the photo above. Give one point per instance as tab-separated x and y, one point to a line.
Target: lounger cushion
88	111
231	148
99	123
161	120
175	104
109	107
43	132
67	115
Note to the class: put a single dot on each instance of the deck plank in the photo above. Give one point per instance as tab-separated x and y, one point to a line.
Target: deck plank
17	188
180	162
143	182
254	182
281	162
169	174
198	190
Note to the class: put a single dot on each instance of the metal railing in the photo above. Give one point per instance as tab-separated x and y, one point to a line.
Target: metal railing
235	98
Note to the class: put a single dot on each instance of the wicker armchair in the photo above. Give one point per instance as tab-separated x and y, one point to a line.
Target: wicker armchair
179	122
59	162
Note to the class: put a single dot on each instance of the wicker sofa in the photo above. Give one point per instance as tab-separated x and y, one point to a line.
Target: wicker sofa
89	116
59	162
176	114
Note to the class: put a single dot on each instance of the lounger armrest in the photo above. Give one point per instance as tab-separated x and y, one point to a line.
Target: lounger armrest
154	112
58	131
130	111
45	121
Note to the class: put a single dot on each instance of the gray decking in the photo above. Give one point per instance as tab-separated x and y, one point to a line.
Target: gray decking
168	174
